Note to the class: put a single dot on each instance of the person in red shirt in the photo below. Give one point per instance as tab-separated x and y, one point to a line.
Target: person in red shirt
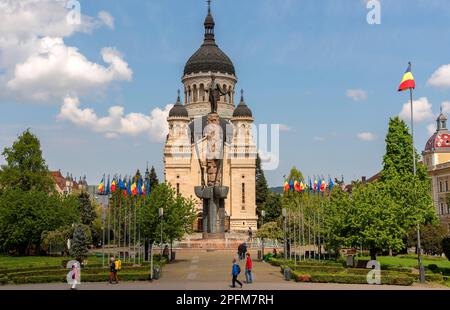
248	269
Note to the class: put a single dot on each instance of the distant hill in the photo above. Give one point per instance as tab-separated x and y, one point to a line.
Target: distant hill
277	190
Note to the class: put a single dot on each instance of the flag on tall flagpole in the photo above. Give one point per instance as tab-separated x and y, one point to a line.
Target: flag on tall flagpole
408	81
101	186
113	185
134	189
286	186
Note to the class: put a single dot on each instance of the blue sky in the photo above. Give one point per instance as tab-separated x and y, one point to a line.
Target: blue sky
298	61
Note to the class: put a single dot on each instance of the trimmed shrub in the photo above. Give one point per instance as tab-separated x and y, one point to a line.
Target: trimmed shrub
433	267
446	247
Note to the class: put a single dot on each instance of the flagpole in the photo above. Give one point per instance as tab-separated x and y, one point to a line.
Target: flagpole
119	224
419	248
295	235
109	227
134	257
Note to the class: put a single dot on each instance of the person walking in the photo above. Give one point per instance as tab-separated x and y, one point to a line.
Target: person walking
113	271
244	250
235	271
250	234
74	276
248	269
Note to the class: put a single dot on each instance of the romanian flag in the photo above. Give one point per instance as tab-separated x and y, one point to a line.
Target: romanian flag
323	186
113	186
286	187
408	80
302	186
315	186
291	185
101	186
134	189
297	186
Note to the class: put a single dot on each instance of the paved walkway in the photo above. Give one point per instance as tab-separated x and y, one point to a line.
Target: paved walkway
212	271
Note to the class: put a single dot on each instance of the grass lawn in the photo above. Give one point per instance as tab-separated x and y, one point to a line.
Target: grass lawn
411	261
8	262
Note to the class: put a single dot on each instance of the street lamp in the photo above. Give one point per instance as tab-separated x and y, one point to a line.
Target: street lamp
284	228
161	215
263	214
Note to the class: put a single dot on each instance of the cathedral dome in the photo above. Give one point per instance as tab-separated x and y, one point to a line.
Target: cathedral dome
178	109
209	57
242	110
440	140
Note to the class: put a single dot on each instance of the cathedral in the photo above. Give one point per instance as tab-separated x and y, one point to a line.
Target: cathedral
436	157
184	154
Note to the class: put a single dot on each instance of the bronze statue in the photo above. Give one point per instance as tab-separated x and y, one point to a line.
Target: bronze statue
215	92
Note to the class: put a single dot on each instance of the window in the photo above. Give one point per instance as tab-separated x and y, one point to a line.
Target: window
441	211
440	186
178	188
446	186
243	194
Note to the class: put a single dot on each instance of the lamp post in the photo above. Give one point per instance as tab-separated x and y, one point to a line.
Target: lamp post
284	229
161	215
263	214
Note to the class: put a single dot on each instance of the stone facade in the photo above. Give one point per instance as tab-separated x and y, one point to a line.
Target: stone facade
436	157
187	142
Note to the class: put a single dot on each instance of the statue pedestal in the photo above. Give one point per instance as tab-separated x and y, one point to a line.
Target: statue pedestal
213	204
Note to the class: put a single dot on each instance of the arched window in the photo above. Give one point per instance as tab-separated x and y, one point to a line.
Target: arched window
189	95
195	90
224	89
202	93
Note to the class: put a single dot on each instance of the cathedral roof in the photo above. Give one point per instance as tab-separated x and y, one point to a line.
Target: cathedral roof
209	57
440	140
178	109
242	110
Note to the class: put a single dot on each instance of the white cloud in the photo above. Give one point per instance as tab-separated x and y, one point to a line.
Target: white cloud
106	19
422	110
35	62
285	128
56	70
356	94
117	123
441	77
366	136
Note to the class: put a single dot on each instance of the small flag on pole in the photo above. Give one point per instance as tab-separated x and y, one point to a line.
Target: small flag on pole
408	80
101	186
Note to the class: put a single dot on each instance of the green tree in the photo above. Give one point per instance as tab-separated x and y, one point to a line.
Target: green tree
272	207
295	174
431	238
153	177
24	216
178	219
411	193
269	231
87	211
399	150
262	189
80	242
25	167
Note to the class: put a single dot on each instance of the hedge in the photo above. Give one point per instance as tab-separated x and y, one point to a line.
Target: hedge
350	279
84	278
65	271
